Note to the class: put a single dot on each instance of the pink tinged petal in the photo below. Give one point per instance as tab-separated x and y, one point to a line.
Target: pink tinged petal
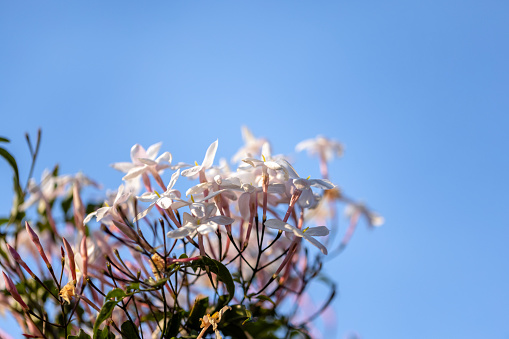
153	150
253	162
148	162
279	225
198	189
135	172
322	183
188	219
266	150
173	180
316	243
35	239
301	183
70	256
165	157
18	259
142	214
137	151
9	285
179	203
198	209
122	166
191	171
182	232
148	197
207	228
208	160
164	202
222	220
244	207
89	217
102	212
317	231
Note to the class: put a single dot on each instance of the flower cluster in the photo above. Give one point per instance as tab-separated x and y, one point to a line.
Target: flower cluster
235	243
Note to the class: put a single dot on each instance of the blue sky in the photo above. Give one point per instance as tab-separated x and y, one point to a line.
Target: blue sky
415	90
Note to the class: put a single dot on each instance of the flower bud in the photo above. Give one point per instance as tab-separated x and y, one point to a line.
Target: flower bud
37	243
20	261
9	285
70	255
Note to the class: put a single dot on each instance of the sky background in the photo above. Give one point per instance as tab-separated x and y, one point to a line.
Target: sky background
415	90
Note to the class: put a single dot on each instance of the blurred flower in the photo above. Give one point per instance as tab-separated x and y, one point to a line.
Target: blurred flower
143	161
307	233
213	320
325	148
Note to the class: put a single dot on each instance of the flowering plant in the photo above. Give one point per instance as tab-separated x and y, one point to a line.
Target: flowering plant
233	255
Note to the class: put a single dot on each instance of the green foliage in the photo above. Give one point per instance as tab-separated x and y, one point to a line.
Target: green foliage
81	335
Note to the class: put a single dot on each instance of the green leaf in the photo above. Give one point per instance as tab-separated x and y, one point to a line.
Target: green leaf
198	311
222	273
105	334
115	293
104	314
2	139
174	326
265	298
237	314
129	331
81	335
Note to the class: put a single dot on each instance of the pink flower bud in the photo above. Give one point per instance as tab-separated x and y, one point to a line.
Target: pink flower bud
84	254
70	255
13	291
37	243
20	261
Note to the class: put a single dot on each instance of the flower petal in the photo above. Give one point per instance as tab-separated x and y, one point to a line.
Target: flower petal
210	155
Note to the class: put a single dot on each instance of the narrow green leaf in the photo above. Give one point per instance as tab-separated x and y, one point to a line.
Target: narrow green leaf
2	139
222	273
104	314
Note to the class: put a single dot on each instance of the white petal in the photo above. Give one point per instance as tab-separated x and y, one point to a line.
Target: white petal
317	231
142	214
165	157
281	225
153	150
122	166
173	179
164	202
137	151
316	243
322	183
191	171
135	172
148	197
222	220
210	155
207	228
253	162
182	232
198	189
147	161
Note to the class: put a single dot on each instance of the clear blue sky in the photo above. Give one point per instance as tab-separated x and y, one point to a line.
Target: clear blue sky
416	90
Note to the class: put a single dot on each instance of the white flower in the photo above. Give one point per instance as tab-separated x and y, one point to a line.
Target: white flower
321	146
252	145
170	198
374	219
307	198
204	219
307	233
208	160
143	160
108	213
50	188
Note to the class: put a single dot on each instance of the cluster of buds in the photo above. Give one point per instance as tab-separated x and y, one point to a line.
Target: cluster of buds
247	239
